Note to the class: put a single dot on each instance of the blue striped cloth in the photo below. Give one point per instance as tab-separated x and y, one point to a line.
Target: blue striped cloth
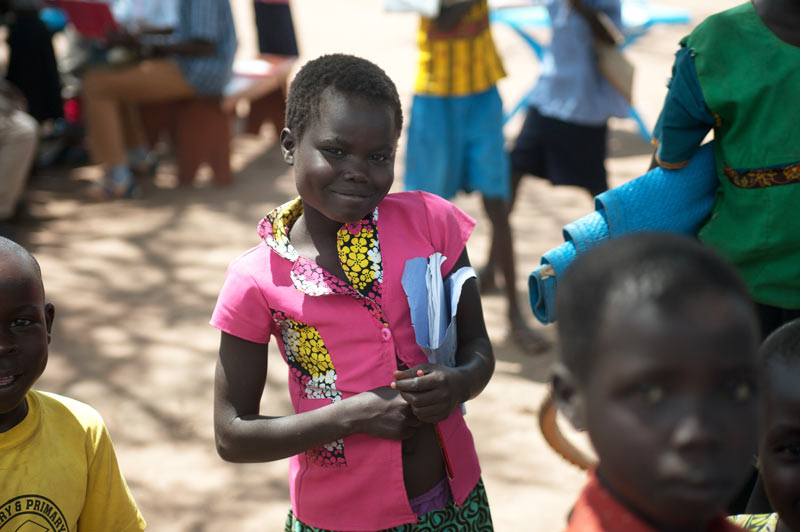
212	21
660	200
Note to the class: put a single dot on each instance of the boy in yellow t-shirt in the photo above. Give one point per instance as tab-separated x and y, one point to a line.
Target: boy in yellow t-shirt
57	464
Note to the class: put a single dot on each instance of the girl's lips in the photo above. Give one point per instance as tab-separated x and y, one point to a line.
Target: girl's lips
8	380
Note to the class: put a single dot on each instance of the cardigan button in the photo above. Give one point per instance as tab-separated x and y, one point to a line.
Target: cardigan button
386	334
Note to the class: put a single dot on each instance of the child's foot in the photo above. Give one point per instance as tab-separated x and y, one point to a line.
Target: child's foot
528	340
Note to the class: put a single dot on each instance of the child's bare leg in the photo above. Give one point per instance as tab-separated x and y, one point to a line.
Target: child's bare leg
486	277
526	338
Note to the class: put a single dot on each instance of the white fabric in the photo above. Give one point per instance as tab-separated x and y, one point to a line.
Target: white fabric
18	135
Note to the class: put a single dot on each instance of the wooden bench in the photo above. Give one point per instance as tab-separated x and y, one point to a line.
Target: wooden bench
201	128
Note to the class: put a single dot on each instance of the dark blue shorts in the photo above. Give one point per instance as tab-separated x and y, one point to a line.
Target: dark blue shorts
562	152
275	29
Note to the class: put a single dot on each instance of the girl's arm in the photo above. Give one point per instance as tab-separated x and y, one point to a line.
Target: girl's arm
243	435
434	391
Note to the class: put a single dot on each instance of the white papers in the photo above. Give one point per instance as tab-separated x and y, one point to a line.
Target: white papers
433	304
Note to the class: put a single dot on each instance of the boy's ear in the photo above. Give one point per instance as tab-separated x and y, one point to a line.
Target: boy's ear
568	397
49	315
287	146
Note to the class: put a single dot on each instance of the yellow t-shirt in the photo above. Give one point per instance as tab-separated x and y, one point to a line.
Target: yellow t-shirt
459	61
59	472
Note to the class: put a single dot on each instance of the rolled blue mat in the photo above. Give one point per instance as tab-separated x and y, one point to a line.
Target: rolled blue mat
663	200
542	281
587	231
660	200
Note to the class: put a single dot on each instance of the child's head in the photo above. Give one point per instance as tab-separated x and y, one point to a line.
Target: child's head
25	323
343	120
658	345
779	445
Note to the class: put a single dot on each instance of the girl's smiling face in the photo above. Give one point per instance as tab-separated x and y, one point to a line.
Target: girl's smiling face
344	162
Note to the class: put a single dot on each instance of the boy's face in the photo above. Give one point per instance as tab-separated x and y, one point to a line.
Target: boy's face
670	407
25	322
344	162
779	449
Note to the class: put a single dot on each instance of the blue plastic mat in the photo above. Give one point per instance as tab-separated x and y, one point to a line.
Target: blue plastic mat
660	200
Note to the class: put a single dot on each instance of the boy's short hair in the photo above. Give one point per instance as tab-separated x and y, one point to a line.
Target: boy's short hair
9	247
345	73
782	345
662	269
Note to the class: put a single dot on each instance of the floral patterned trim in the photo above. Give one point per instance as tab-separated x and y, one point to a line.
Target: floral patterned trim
311	366
764	177
756	522
274	228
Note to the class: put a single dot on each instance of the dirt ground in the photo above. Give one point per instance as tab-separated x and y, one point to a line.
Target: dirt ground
134	283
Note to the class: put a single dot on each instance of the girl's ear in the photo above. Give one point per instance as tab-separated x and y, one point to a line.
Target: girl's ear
49	315
568	397
287	146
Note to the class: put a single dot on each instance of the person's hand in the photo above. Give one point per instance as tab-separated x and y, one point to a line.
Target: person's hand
432	390
385	414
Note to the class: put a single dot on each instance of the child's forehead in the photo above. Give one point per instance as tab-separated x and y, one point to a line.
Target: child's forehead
696	335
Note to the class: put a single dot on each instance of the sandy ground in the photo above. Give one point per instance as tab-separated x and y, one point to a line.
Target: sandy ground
134	284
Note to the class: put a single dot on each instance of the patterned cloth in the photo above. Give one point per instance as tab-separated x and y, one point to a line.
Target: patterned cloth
472	516
459	61
344	336
757	522
598	511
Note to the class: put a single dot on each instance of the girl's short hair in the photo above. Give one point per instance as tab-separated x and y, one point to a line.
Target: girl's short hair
345	73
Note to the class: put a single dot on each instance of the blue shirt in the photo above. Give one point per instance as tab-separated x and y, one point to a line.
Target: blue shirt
570	86
207	20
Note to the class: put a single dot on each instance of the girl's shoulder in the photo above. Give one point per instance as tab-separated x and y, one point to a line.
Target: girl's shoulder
416	201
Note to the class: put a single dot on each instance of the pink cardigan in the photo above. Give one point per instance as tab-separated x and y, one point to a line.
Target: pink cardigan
361	487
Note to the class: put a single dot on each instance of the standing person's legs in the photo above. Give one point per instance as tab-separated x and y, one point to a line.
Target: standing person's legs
18	136
488	171
107	90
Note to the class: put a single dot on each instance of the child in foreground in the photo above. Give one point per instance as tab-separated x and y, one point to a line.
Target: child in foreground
779	445
326	284
658	363
59	470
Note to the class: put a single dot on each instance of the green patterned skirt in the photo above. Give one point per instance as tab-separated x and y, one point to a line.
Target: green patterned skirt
472	516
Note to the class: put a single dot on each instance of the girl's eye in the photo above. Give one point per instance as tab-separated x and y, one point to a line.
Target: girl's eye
650	394
380	158
21	322
333	151
739	390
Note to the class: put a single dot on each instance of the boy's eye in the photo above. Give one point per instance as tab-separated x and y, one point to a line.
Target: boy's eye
650	394
333	151
21	322
739	390
791	451
380	157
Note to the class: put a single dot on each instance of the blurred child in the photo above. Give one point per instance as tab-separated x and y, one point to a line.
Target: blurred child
455	134
326	284
658	364
563	138
738	73
59	470
779	445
